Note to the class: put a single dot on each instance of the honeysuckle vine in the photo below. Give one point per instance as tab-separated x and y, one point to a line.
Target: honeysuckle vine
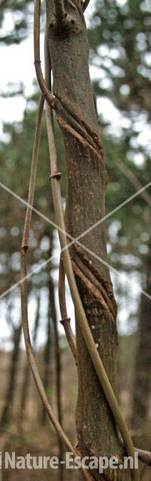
55	178
54	104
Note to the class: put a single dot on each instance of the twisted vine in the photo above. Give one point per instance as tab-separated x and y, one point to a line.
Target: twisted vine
55	180
24	295
82	130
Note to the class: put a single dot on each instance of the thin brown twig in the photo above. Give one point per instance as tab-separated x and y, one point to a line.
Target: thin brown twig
51	292
47	94
144	456
31	355
34	368
24	299
58	377
33	364
33	174
26	373
24	249
65	321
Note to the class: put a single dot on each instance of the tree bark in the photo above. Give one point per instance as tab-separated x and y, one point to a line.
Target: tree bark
68	49
142	378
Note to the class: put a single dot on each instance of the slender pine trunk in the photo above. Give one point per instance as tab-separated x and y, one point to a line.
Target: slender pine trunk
12	377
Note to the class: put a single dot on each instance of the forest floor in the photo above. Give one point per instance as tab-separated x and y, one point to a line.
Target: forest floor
38	438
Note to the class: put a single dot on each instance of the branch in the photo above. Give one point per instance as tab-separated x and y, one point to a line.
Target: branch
34	368
24	299
33	174
31	356
78	126
32	360
65	321
144	456
57	352
85	4
47	94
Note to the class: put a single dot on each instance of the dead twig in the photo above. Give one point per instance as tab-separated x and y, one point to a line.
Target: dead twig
144	456
34	368
65	321
33	174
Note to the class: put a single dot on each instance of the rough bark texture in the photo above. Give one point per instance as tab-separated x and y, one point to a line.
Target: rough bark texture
142	384
85	206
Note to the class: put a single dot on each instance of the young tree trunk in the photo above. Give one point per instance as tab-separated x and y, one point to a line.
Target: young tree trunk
142	378
68	49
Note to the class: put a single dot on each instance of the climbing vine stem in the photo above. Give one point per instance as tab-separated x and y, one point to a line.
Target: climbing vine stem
85	131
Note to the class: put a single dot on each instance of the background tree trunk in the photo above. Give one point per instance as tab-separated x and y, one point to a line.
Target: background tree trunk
12	376
142	378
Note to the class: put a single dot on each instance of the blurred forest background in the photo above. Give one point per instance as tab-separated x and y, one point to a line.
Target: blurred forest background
120	66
